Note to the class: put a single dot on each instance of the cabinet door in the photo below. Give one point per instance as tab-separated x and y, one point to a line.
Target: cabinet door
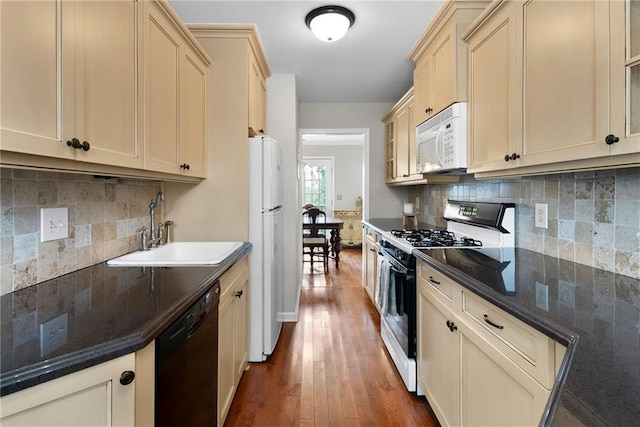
161	77
193	111
423	86
90	397
625	76
257	98
491	106
565	104
226	370
403	124
444	70
30	79
371	267
495	392
390	151
240	328
99	41
438	359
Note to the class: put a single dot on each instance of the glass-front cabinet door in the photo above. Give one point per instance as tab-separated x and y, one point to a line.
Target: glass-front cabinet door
625	76
633	66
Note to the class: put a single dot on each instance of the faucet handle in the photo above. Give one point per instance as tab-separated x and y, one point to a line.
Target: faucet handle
143	238
168	225
160	233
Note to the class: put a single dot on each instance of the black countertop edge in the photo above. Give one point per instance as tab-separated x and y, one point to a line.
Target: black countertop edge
57	367
549	328
32	375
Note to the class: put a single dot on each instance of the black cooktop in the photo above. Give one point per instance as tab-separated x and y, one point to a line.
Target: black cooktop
428	238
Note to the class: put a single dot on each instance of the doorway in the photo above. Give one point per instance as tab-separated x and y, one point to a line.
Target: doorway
348	149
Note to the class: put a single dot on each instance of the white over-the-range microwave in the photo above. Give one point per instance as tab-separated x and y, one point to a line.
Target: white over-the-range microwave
442	142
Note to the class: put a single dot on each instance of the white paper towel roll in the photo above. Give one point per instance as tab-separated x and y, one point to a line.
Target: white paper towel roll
408	208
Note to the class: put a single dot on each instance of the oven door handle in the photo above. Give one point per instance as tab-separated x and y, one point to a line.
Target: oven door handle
399	269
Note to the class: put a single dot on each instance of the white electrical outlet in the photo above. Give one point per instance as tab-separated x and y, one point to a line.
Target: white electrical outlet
542	214
54	224
542	296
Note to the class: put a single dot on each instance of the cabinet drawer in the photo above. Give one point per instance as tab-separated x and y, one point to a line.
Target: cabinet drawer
229	277
530	349
437	284
371	235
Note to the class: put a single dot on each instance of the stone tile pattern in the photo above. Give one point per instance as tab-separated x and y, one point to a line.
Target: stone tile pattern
594	217
103	216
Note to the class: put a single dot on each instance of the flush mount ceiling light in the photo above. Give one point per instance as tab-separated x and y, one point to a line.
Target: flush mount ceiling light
330	23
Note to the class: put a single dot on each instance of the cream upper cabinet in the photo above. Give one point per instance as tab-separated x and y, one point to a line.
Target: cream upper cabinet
68	78
94	396
492	91
537	100
257	98
233	334
440	76
175	104
625	76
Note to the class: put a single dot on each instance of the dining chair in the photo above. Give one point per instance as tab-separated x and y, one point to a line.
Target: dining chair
314	242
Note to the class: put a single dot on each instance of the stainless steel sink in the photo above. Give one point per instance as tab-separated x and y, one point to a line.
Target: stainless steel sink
179	254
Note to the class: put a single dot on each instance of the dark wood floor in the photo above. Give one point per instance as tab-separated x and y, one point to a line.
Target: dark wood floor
330	368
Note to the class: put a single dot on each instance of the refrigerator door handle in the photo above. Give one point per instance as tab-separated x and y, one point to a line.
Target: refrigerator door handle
272	209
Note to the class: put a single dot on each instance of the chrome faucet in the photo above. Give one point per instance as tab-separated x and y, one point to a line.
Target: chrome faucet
153	239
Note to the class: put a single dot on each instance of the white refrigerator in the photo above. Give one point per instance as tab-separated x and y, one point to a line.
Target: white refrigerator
265	234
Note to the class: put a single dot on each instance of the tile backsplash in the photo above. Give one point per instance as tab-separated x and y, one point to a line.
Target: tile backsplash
103	216
594	217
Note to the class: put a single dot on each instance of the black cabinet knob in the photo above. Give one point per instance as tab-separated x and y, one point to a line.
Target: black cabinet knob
507	157
185	166
611	139
261	131
127	377
74	143
239	294
515	156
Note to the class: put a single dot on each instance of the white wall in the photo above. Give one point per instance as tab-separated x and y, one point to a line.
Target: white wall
282	125
347	171
381	201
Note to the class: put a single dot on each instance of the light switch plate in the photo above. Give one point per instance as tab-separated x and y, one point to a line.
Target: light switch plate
54	224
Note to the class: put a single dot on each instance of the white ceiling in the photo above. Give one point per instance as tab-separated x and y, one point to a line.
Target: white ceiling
368	65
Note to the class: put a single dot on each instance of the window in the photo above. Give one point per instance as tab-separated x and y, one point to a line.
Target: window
317	183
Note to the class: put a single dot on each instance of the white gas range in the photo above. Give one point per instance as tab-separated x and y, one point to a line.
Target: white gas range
485	233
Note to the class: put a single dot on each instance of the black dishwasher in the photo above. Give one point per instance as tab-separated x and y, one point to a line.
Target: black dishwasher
187	366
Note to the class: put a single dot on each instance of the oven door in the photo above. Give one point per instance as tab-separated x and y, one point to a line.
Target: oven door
398	303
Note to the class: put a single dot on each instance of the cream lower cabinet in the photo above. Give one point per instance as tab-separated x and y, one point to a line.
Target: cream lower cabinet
537	102
351	233
233	334
370	262
69	75
90	397
470	375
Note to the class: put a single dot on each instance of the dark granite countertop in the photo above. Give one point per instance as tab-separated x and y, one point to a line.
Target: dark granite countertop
103	312
595	313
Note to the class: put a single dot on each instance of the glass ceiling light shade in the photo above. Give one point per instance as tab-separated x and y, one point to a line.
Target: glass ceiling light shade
330	23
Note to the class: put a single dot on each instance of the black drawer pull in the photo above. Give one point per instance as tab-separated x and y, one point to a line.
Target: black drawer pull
434	281
486	319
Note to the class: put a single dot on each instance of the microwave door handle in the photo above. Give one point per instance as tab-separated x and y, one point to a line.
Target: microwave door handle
439	142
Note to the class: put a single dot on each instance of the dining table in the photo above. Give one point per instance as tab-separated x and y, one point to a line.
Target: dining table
333	225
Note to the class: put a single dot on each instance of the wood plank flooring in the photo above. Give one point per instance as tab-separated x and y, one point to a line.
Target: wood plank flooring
331	367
